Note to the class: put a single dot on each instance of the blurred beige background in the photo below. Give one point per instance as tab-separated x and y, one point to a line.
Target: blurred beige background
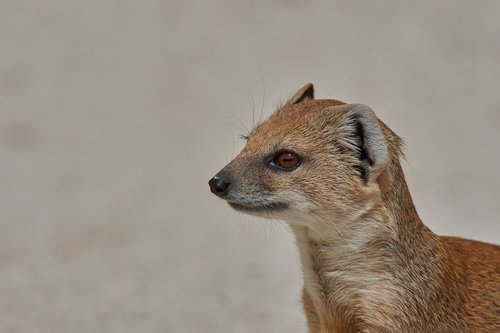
114	115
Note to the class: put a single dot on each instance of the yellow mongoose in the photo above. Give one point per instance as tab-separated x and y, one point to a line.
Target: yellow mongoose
332	171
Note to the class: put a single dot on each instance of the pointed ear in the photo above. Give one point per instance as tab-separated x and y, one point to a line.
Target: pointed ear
304	94
365	138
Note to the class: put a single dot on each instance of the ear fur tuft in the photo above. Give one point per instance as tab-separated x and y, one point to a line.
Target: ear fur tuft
365	137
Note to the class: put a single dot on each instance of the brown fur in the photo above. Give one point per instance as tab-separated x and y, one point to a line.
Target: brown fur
370	264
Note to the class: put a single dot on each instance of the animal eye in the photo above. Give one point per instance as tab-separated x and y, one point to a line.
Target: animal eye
286	160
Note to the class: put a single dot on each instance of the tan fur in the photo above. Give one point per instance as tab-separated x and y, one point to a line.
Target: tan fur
369	263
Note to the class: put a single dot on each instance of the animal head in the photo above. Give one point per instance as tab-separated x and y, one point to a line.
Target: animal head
310	158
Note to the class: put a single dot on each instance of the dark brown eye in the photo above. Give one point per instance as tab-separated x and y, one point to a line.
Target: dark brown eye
287	160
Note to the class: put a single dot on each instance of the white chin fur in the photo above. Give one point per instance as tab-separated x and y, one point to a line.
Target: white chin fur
297	208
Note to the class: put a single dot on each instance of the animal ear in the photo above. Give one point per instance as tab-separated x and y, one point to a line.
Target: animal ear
365	138
305	93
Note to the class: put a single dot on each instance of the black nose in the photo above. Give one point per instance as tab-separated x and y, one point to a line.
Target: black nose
219	185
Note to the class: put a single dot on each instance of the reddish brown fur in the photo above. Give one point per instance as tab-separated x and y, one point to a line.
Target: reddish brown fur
392	274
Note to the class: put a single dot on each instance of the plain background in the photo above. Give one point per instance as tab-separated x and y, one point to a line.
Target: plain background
115	114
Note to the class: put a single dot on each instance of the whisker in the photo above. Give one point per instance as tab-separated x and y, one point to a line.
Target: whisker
252	102
225	153
232	133
263	93
275	227
242	124
340	86
241	227
267	239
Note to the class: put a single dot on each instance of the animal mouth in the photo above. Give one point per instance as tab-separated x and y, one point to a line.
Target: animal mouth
268	207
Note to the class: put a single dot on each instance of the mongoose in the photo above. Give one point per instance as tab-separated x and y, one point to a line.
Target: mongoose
332	171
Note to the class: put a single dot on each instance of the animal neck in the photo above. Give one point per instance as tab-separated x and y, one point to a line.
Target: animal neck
398	203
370	265
346	272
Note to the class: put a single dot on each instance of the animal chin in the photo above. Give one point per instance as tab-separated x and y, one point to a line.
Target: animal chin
271	207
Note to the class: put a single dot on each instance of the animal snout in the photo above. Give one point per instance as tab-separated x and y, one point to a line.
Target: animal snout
219	185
